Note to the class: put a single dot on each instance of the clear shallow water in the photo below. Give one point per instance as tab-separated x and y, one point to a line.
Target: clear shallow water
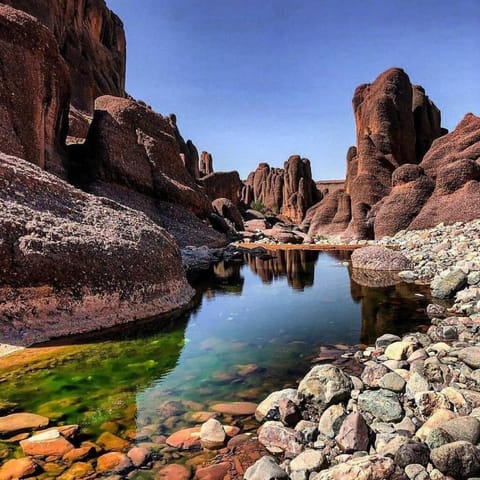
257	326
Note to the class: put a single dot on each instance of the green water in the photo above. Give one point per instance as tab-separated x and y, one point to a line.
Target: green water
272	315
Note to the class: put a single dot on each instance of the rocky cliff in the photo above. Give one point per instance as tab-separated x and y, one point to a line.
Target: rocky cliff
92	42
72	262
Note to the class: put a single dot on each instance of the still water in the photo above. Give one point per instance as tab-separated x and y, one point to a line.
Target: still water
257	326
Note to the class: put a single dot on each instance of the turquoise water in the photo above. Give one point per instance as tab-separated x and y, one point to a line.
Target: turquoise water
257	326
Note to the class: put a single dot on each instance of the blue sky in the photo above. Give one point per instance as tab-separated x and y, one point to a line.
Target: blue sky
258	80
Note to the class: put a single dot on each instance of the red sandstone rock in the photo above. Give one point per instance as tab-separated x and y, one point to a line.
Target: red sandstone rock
289	191
380	258
17	468
225	208
223	185
113	462
79	261
21	422
46	444
185	439
235	408
130	145
444	188
174	472
212	472
206	164
35	91
395	124
92	41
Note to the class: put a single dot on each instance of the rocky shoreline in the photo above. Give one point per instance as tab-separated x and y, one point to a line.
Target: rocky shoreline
404	408
414	412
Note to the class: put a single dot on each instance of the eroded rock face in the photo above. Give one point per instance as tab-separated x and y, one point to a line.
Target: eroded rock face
396	123
130	145
32	126
92	41
444	188
289	191
72	262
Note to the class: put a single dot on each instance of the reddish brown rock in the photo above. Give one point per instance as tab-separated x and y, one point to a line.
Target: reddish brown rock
21	422
353	435
289	191
395	212
223	185
185	439
452	162
213	472
35	91
130	145
227	209
114	462
427	121
380	258
299	190
17	468
188	151
206	164
444	188
395	125
92	41
54	238
235	408
279	439
174	472
46	444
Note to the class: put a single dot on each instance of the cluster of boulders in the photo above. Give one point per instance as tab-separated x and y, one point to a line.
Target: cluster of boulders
60	452
414	412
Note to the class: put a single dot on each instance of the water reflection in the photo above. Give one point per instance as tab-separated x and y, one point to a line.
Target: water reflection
298	266
255	327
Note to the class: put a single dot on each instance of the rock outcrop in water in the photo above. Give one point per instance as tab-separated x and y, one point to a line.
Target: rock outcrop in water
91	40
72	262
289	191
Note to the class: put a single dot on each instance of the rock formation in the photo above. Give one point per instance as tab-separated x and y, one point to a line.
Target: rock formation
71	262
35	92
444	188
289	191
206	164
223	185
92	41
188	150
395	124
132	146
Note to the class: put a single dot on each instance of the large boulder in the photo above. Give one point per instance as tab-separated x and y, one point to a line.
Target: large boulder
223	185
35	91
380	258
71	262
92	41
128	144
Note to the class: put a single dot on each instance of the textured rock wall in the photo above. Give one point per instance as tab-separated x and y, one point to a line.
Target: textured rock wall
92	41
34	93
